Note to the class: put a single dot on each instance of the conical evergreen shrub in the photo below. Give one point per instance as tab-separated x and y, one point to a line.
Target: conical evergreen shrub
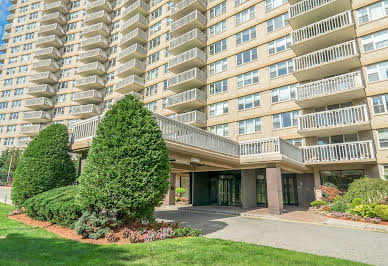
127	168
44	165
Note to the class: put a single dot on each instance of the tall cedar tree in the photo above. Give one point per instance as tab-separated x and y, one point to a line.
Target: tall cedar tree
44	165
127	168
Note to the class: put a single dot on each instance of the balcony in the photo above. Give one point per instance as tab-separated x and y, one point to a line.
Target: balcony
8	28
54	7
48	53
326	62
94	42
49	41
186	101
6	36
12	9
86	97
100	16
136	36
53	18
86	111
138	7
44	90
137	21
333	122
2	58
333	90
186	7
95	68
10	18
3	48
23	142
324	33
193	118
93	82
45	65
31	130
133	93
98	29
53	1
136	51
99	5
133	67
187	41
41	103
37	117
52	29
307	12
187	23
130	84
187	60
193	78
93	55
350	152
44	78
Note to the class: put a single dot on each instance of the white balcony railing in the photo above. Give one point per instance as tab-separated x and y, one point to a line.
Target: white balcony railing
90	81
136	5
133	64
94	53
338	117
187	37
94	41
329	86
135	48
86	109
95	66
50	28
306	6
186	96
177	9
322	27
48	63
59	5
41	89
192	54
92	94
137	33
39	101
325	56
54	17
36	115
195	15
49	52
350	151
49	39
100	15
191	117
97	27
188	75
98	5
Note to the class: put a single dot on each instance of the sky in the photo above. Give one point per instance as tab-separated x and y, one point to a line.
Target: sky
4	5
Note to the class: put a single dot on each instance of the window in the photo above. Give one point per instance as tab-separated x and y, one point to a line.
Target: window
218	66
246	56
15	49
60	98
245	15
17	39
285	120
155	28
66	60
3	105
108	90
249	101
380	104
248	78
8	141
34	15
151	90
385	171
27	46
11	71
20	80
59	111
281	69
16	103
296	142
72	26
153	74
5	94
21	19
217	10
31	26
277	22
63	85
373	12
8	82
154	42
377	71
153	58
25	58
246	35
375	41
382	135
217	47
239	2
218	87
19	92
152	106
110	76
217	28
35	5
14	116
249	126
156	13
112	62
284	93
271	4
221	130
11	128
279	45
23	9
116	25
75	4
29	36
23	69
12	60
2	117
70	37
218	108
73	15
165	68
169	21
114	37
19	28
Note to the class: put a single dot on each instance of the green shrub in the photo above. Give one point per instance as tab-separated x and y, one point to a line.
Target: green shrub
356	202
44	165
368	189
56	206
382	212
187	231
339	205
364	210
318	203
94	225
127	170
180	190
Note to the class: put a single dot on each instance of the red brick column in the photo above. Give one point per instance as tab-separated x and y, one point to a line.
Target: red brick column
274	190
169	199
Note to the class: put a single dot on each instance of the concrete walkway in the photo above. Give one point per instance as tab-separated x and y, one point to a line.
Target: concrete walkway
5	195
316	238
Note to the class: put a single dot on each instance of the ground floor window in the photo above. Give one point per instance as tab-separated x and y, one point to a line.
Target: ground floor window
341	179
385	171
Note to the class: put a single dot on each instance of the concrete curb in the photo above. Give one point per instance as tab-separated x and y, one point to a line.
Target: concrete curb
357	225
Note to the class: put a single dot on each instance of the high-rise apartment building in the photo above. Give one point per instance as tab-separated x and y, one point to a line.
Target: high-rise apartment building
294	91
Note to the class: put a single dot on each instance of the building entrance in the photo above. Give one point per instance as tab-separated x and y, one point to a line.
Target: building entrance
225	190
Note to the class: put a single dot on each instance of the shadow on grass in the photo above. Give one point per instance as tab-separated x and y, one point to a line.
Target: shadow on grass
20	249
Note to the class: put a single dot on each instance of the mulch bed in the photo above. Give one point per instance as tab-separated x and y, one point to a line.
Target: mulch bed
343	218
65	232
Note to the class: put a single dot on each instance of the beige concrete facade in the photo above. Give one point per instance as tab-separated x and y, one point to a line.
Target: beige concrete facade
131	40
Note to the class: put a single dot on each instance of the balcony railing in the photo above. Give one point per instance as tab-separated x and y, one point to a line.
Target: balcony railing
93	55
48	64
184	7
187	41
90	82
44	77
50	52
51	29
36	116
91	96
3	47
137	21
10	18
134	36
129	84
134	51
329	86
186	96
189	79
95	68
99	5
140	96
48	41
8	28
134	66
192	58
99	28
41	90
56	6
340	152
100	16
192	118
95	42
322	27
193	20
333	118
137	7
86	110
53	18
6	36
31	130
42	102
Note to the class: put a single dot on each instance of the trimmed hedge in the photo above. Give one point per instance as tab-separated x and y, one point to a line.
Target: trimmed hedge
368	189
127	170
382	212
318	203
57	206
44	165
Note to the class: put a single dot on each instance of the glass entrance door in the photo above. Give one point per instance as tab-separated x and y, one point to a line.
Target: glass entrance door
261	190
290	189
225	190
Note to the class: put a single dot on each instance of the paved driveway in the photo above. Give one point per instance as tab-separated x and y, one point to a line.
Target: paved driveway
352	244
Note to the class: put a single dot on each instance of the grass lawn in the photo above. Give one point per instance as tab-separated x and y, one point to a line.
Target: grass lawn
27	245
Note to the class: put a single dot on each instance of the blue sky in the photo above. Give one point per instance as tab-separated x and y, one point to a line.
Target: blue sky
4	5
